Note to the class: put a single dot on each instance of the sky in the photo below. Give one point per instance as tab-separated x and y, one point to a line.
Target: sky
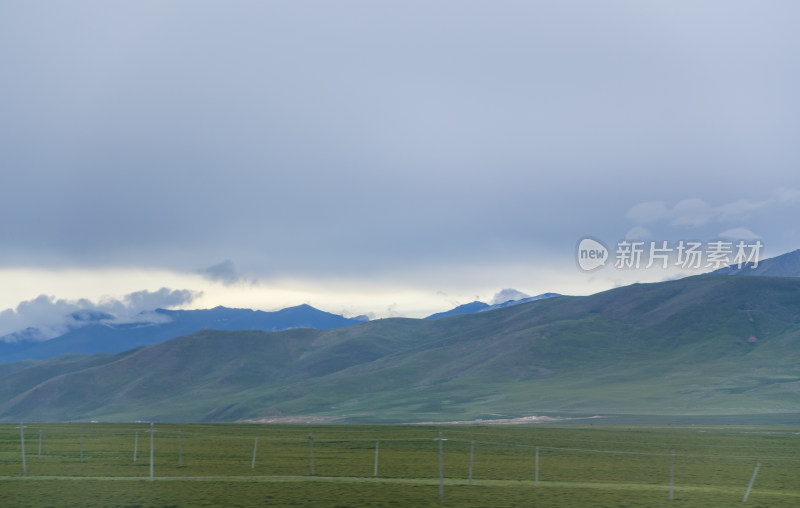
392	158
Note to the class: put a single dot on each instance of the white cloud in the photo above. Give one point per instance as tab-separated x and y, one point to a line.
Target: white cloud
698	212
692	212
739	234
507	294
740	210
51	316
638	233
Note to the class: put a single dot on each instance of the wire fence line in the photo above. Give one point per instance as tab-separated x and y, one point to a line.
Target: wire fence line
250	452
371	442
265	438
660	443
654	454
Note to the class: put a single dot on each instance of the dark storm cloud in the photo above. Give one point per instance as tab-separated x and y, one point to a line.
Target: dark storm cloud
348	137
226	273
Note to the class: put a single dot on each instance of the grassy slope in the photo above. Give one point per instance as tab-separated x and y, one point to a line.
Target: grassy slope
704	345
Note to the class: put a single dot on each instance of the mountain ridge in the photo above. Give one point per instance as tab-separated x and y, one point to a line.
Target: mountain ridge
708	344
478	306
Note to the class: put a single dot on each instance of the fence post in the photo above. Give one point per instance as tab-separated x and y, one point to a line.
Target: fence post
151	451
311	449
536	469
375	469
750	485
255	446
441	470
81	445
40	444
180	450
471	456
672	476
22	440
135	445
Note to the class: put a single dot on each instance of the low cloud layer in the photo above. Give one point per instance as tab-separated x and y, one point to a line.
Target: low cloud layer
45	317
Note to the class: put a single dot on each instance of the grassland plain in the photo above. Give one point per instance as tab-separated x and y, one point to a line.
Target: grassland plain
578	465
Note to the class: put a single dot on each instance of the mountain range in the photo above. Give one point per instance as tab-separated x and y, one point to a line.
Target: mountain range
98	333
704	345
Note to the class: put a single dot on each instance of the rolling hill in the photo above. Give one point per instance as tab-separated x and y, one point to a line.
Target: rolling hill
706	345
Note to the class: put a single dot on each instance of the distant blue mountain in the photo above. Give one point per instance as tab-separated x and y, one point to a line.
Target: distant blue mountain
467	308
476	306
101	335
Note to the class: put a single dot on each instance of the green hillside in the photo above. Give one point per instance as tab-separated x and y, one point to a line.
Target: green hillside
709	345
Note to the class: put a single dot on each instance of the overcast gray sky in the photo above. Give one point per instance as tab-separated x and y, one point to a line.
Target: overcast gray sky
384	157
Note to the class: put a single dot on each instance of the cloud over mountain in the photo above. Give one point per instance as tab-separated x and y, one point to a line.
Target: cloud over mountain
507	294
46	316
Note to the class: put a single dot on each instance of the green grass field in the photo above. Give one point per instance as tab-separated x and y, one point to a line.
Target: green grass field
577	465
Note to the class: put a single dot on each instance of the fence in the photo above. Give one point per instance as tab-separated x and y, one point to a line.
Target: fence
674	462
